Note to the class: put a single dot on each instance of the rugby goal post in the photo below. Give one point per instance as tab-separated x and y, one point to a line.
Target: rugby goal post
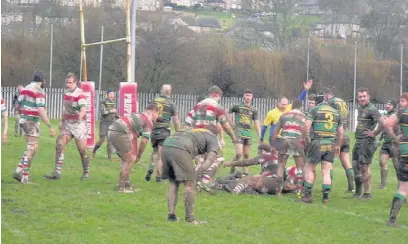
128	99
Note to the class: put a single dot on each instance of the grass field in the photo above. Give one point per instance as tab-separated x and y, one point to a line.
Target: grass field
71	211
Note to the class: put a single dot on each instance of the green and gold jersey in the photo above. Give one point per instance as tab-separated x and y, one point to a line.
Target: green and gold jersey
325	121
244	115
341	106
167	109
107	110
367	119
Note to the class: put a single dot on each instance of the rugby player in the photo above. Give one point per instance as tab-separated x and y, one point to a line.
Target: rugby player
325	121
31	104
179	150
108	115
121	134
161	129
72	126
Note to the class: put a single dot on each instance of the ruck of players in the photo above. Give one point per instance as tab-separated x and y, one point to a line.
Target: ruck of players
192	155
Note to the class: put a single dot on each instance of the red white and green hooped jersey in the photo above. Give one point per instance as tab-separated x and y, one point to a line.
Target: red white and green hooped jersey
30	99
206	112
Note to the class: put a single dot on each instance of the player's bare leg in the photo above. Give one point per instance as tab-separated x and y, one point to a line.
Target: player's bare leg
308	182
189	202
239	147
109	150
127	160
246	151
172	198
366	171
62	141
300	165
384	170
345	162
81	146
282	159
327	181
159	164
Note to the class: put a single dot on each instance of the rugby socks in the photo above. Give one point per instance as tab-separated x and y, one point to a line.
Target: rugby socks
384	173
326	191
85	165
20	165
299	182
59	163
397	203
359	185
26	168
350	178
211	171
96	147
240	187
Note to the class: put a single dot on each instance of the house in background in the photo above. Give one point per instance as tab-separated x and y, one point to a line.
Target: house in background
217	3
198	25
309	7
336	29
188	3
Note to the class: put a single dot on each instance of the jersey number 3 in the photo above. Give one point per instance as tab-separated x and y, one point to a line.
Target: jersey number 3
330	122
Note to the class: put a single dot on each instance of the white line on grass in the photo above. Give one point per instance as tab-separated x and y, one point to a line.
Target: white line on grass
380	221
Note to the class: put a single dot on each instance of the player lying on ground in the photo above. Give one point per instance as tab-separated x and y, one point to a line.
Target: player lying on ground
264	183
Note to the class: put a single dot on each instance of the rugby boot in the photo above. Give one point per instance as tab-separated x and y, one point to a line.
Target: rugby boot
53	176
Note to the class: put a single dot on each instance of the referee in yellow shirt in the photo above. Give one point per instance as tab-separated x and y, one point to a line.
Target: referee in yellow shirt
273	116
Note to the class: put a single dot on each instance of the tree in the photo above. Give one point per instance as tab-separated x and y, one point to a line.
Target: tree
385	24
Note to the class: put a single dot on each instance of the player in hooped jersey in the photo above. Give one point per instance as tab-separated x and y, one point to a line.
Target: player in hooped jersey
72	126
31	104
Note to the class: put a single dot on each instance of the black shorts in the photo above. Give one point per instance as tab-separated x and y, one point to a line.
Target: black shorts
363	151
158	136
177	164
388	149
320	150
244	141
402	173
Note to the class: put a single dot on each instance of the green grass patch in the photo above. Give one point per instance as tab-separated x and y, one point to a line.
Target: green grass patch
71	211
